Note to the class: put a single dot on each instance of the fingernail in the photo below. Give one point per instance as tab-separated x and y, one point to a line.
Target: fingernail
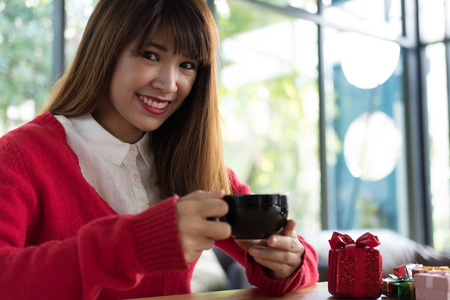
274	241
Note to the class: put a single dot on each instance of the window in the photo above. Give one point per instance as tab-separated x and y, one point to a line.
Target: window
308	5
78	13
351	75
270	104
379	17
365	136
434	32
26	37
437	107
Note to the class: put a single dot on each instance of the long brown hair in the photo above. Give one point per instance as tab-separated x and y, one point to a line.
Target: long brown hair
188	146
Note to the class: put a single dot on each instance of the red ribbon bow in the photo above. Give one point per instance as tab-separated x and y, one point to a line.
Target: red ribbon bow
345	241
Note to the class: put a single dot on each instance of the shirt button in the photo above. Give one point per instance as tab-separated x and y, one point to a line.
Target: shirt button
135	176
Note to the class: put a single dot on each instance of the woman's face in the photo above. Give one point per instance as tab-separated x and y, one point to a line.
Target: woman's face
146	88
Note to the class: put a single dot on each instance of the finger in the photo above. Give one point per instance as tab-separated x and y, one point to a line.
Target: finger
198	244
274	255
216	230
201	228
218	194
284	243
195	225
202	207
279	240
212	208
204	195
289	228
215	194
194	247
247	244
280	270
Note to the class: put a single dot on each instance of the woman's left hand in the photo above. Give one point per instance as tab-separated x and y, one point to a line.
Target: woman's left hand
281	253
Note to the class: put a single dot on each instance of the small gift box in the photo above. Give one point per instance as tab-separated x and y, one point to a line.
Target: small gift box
426	269
400	285
354	268
400	288
432	285
406	271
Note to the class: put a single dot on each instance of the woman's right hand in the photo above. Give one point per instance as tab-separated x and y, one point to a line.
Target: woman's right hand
197	233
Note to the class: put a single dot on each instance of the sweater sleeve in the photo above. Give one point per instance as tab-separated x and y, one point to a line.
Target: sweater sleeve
305	275
113	251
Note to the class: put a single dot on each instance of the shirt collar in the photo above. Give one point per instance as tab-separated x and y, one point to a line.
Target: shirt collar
144	148
113	149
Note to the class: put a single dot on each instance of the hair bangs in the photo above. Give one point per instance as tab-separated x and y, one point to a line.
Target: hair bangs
196	44
179	18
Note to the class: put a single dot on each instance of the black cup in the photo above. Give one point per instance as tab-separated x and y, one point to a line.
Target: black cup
256	216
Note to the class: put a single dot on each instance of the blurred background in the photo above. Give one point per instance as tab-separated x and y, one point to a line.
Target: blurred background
341	104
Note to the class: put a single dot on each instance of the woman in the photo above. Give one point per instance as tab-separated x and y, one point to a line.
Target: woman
107	193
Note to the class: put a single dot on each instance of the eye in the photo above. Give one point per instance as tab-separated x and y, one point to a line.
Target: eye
149	55
188	66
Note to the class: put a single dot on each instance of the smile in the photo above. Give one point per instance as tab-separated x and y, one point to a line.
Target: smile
153	103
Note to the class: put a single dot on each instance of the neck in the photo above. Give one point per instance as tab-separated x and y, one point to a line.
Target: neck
126	133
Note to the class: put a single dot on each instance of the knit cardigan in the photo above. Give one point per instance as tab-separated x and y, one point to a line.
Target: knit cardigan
60	240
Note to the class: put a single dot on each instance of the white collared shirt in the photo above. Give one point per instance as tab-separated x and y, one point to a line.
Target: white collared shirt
121	173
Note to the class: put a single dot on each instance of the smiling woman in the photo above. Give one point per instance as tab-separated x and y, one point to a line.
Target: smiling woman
87	93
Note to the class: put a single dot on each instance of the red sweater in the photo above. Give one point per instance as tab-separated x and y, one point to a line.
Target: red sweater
60	240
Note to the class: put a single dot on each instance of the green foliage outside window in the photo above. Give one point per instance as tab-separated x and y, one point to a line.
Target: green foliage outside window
26	37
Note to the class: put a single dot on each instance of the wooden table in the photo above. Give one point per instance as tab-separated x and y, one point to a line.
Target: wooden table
318	291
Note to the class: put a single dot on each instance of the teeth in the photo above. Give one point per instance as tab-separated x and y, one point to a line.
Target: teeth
154	104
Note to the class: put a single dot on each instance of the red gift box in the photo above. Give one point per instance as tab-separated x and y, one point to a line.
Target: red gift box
354	268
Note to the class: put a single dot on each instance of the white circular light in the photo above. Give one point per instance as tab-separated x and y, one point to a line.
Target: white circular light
368	62
372	146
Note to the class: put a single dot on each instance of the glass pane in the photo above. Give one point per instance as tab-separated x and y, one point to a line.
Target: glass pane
269	103
438	126
379	17
77	15
308	5
432	20
26	37
364	107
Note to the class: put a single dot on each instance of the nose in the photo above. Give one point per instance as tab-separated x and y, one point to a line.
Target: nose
166	80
